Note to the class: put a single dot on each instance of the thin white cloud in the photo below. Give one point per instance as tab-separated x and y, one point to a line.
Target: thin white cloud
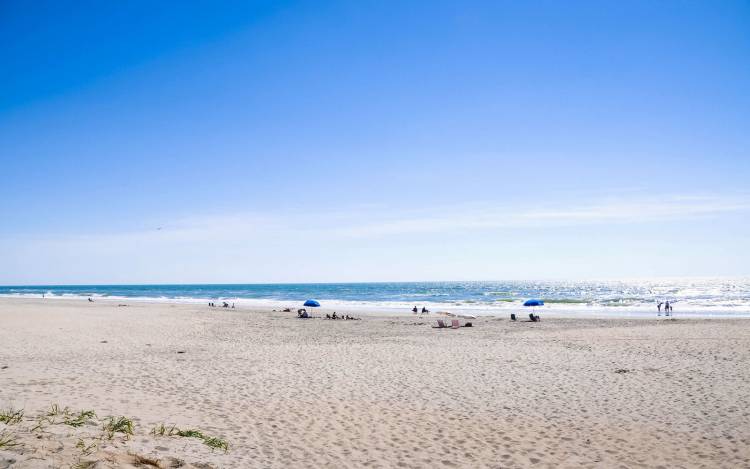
612	211
268	246
374	221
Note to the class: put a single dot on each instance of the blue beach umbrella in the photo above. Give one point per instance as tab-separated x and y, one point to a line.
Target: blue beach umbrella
311	304
533	304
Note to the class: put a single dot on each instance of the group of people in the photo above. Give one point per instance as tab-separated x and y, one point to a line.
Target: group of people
224	304
415	310
303	314
667	308
345	316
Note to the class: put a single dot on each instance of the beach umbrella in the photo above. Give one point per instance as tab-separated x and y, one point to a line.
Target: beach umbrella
533	303
311	304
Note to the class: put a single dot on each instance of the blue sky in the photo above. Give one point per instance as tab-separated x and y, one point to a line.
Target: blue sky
364	141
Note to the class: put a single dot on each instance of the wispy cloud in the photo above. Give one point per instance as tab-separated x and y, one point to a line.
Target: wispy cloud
606	211
376	221
262	246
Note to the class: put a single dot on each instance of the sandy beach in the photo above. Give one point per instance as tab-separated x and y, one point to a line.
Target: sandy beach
379	392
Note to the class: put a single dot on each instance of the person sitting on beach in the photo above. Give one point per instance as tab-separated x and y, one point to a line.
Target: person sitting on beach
425	310
333	316
90	300
300	311
414	309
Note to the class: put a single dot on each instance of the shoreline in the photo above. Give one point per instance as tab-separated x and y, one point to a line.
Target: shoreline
260	306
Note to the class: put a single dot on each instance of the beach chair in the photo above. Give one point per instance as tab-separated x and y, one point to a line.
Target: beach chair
440	325
533	318
455	324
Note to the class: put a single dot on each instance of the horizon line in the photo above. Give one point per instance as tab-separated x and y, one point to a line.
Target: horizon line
541	279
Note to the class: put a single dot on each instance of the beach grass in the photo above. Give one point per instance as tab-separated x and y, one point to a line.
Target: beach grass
80	419
8	440
163	430
210	441
11	416
190	433
120	424
85	449
55	410
216	443
40	424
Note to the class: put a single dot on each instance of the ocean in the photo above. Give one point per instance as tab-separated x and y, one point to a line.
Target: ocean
728	297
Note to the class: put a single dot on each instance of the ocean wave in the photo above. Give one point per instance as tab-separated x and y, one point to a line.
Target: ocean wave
565	301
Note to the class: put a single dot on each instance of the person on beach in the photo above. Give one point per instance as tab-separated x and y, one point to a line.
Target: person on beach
658	307
667	308
414	309
425	310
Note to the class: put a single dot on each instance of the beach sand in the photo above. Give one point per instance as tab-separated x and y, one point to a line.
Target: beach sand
380	392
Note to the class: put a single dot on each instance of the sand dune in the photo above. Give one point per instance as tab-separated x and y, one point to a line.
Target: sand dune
381	392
